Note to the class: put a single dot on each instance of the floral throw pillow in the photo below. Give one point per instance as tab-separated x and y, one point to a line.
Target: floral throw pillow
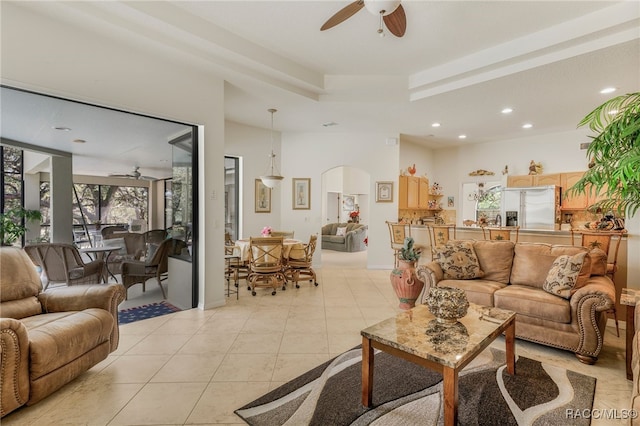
459	261
563	275
341	231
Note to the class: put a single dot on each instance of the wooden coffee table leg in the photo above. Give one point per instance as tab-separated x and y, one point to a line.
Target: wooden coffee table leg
510	339
450	384
367	372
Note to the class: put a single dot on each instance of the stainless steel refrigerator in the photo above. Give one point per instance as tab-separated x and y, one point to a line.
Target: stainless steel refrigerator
531	208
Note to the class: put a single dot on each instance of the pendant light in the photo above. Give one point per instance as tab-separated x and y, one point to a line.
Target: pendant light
273	178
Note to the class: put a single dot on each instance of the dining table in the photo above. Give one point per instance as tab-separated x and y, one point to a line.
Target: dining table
241	248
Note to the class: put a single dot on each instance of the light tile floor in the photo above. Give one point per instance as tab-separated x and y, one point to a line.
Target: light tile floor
196	367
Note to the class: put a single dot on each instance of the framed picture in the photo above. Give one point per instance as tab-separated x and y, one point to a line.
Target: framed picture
348	203
263	197
384	192
450	202
301	193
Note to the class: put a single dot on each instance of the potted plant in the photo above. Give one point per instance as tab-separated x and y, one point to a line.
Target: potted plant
404	280
615	155
11	227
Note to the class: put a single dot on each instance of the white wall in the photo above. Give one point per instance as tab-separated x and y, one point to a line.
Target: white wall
55	58
311	154
253	145
422	157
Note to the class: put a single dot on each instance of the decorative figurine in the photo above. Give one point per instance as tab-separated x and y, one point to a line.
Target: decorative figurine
535	168
506	170
412	170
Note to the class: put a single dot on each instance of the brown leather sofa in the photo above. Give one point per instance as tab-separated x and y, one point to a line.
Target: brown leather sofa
49	338
513	279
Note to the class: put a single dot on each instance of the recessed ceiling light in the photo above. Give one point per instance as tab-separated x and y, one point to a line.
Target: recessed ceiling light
608	90
527	126
435	125
64	129
507	111
462	137
79	141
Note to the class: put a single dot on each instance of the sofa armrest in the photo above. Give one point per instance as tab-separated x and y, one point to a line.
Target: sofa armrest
14	344
596	296
78	298
431	273
355	238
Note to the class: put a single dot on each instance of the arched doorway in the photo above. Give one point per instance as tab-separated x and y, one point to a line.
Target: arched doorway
346	198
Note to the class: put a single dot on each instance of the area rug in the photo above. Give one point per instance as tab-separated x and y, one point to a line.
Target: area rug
406	394
151	310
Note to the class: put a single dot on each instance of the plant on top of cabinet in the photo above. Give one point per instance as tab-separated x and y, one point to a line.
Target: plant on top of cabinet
616	155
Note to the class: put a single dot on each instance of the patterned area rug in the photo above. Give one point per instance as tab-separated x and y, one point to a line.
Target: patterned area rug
126	316
406	394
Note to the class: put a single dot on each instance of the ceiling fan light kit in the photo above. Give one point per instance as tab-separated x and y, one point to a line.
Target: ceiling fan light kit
273	178
389	11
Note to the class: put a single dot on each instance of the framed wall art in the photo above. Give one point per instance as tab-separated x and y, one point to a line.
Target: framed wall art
262	197
384	192
301	193
348	203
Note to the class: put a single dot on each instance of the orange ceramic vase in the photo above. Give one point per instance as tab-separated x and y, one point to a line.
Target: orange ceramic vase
406	284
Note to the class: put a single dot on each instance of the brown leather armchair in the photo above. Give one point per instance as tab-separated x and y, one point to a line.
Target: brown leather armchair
49	338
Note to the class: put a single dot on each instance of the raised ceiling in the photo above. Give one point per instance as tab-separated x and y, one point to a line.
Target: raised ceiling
459	63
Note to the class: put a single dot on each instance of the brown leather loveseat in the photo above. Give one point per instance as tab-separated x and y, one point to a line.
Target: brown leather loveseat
513	277
49	338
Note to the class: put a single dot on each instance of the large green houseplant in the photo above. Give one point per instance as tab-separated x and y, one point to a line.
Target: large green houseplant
615	155
11	224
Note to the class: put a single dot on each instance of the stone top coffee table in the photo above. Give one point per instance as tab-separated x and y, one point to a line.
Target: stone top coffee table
415	335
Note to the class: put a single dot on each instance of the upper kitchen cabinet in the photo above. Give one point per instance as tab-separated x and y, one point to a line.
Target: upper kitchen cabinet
572	201
409	192
520	181
544	180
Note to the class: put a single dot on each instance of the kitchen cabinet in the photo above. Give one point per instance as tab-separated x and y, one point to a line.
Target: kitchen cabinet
409	192
544	180
573	201
519	181
423	194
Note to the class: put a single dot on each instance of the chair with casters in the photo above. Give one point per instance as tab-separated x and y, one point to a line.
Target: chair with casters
397	233
62	263
266	264
300	262
500	233
439	235
608	242
156	266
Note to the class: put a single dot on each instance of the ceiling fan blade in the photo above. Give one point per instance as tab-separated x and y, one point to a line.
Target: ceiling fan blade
119	175
343	14
396	22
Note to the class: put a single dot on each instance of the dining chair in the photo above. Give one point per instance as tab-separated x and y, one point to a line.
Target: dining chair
300	262
62	263
608	242
397	233
266	267
439	235
283	234
157	266
107	230
500	233
132	247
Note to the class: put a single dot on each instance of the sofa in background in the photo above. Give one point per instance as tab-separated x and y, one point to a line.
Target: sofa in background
49	338
352	240
513	278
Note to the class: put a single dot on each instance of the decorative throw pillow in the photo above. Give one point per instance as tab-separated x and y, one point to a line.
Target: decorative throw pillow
341	231
459	261
563	275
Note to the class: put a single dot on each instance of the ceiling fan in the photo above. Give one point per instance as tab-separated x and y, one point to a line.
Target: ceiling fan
390	11
135	174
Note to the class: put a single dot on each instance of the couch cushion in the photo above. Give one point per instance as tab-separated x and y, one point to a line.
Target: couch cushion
458	260
532	261
562	278
496	259
57	339
598	262
478	291
533	302
339	239
18	276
